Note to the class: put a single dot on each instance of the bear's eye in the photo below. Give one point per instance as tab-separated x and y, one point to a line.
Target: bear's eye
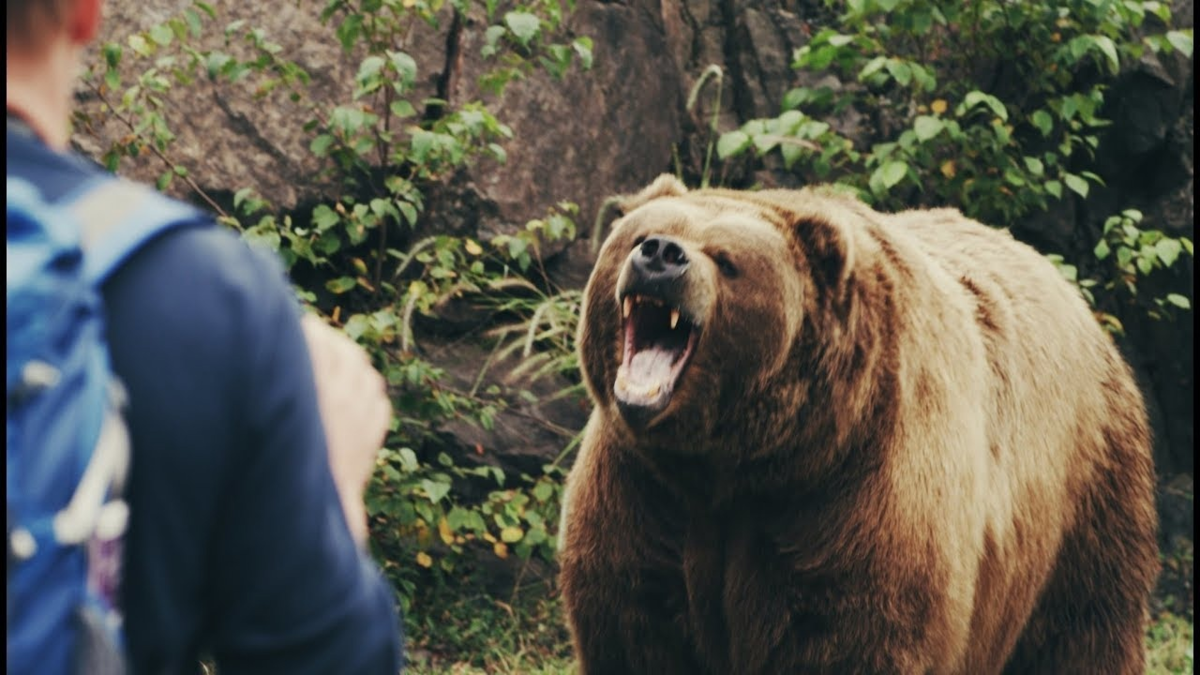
725	264
638	241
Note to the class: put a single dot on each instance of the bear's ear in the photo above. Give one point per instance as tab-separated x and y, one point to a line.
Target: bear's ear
665	185
829	246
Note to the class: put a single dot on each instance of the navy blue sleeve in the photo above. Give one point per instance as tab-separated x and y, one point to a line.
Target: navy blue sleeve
237	544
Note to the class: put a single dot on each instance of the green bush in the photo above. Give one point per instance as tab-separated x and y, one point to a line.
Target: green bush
990	106
366	268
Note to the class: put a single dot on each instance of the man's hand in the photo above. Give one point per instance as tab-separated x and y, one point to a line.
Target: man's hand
355	411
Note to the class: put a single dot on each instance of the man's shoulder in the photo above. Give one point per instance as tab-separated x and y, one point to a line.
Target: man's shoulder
56	174
201	258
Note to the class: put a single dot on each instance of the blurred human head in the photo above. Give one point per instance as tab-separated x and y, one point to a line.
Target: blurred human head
44	43
33	25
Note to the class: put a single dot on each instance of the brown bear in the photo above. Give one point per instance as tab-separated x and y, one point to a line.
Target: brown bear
832	440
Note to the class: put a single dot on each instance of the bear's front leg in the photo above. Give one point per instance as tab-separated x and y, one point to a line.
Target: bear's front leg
786	616
621	569
627	623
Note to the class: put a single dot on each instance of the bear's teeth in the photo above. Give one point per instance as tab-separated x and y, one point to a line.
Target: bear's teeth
653	391
627	309
674	318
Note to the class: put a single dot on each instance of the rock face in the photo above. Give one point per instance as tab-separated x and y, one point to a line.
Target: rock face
612	129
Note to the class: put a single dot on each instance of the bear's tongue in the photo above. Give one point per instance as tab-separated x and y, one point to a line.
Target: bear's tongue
657	344
650	371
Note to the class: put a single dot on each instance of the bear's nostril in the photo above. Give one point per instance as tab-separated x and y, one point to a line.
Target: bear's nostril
673	254
650	248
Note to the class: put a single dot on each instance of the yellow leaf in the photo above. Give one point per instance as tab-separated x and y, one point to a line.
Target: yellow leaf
359	265
445	531
473	247
424	560
500	549
938	107
948	168
487	536
511	534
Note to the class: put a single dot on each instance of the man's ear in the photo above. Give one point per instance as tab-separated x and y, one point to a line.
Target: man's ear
83	21
665	185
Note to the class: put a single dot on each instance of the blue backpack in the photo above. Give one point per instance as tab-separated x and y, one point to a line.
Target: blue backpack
67	445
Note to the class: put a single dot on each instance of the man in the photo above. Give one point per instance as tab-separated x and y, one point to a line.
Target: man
247	530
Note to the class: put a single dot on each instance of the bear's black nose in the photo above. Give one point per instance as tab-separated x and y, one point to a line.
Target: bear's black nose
659	259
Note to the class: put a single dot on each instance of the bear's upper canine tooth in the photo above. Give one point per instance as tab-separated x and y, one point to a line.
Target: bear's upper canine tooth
653	390
627	307
674	318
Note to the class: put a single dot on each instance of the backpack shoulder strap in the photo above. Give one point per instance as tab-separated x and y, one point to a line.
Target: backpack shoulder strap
118	216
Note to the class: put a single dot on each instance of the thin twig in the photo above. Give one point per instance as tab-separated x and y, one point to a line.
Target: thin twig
171	165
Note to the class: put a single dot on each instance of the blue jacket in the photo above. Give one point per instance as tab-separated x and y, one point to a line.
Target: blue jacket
237	546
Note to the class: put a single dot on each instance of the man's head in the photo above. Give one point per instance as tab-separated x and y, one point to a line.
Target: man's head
45	39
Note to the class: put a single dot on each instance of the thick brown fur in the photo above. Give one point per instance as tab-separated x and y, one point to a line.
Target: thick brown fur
902	445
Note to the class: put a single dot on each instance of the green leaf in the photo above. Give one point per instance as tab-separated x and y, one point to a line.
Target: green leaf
1042	120
490	37
112	54
524	26
240	196
1034	165
324	217
892	173
732	143
139	45
409	211
215	62
873	66
1102	250
795	98
976	97
1168	250
1077	184
405	66
162	34
435	490
1181	40
340	285
369	68
403	108
583	47
320	145
1179	301
542	491
164	180
1109	50
349	31
900	71
1055	188
926	127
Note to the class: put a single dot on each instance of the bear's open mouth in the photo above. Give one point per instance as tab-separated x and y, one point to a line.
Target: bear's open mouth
659	341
